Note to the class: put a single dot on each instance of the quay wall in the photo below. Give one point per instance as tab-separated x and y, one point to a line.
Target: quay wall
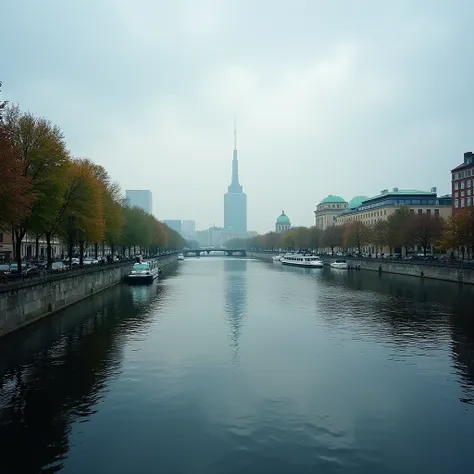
433	271
24	302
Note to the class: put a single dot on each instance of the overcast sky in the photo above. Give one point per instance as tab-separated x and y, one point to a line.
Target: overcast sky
331	97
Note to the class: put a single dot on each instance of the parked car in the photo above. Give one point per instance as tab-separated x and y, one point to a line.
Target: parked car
91	261
58	267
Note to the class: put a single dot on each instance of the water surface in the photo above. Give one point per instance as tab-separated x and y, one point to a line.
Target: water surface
231	365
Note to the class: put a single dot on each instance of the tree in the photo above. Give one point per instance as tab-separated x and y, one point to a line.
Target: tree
356	234
379	233
82	214
288	240
270	240
15	197
425	229
15	188
398	234
332	237
315	236
42	151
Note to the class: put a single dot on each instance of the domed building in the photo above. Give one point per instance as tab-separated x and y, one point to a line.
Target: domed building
283	223
327	211
356	201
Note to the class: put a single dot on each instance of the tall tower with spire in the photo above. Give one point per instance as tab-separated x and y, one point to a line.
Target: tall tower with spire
235	200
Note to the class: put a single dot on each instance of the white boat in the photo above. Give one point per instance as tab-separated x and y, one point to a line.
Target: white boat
340	263
277	258
180	256
301	260
143	272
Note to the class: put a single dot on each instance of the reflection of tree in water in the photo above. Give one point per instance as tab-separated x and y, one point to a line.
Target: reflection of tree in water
235	298
48	387
421	311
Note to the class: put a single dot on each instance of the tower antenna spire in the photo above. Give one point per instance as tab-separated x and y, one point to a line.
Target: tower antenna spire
235	134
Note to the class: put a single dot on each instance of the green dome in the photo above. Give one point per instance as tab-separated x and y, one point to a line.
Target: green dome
332	199
283	219
356	201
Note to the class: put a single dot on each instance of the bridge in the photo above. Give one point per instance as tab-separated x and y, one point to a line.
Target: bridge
208	250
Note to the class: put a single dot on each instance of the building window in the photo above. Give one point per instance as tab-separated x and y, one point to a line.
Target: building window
428	211
462	202
462	184
469	200
469	191
420	211
456	203
469	183
436	212
462	193
456	185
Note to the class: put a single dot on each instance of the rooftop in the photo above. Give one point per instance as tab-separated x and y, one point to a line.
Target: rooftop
283	219
356	201
332	199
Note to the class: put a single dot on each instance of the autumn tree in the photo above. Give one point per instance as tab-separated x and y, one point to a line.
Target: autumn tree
270	240
425	229
332	237
112	207
399	231
82	218
315	237
15	188
379	233
15	197
356	234
42	151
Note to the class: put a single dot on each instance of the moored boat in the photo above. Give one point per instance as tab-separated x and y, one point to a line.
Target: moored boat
180	256
302	260
143	272
277	258
340	263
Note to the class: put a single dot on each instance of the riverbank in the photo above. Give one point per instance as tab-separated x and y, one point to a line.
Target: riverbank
24	303
400	267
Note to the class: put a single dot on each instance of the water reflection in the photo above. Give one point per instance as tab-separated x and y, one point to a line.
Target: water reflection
54	374
235	296
420	315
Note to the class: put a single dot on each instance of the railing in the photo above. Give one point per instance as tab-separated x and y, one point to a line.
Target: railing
15	280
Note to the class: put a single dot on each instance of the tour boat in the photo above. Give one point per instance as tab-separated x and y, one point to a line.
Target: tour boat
143	272
340	263
180	256
301	260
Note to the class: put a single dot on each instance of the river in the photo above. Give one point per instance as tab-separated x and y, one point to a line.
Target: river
231	365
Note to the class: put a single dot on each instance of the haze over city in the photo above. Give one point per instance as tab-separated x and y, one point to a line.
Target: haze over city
330	97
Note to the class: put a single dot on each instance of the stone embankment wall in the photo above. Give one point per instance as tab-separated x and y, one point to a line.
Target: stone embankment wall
436	272
24	302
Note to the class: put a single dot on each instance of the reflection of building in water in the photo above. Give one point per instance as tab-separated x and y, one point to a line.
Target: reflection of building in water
235	299
462	350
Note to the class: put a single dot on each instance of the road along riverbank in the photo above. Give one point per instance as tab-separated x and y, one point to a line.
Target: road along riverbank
25	302
436	271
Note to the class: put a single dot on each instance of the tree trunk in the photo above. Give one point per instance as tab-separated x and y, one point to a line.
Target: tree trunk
37	246
96	251
70	248
81	252
48	249
112	249
19	234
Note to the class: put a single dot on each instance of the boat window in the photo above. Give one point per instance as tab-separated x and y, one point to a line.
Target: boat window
141	266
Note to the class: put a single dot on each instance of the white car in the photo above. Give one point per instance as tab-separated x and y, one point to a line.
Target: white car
91	261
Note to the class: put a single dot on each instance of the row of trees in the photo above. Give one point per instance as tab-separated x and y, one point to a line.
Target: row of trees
401	230
44	191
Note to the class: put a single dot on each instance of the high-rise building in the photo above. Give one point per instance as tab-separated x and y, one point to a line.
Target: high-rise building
235	200
141	198
174	224
188	229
